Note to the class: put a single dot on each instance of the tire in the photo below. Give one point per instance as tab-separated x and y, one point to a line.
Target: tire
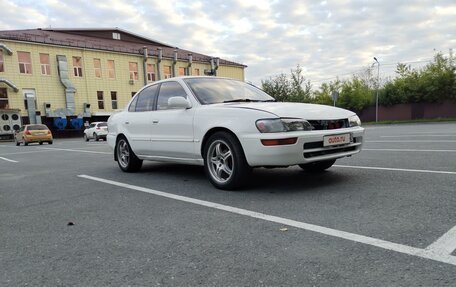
50	142
224	161
86	138
41	143
126	158
17	142
95	136
317	166
25	142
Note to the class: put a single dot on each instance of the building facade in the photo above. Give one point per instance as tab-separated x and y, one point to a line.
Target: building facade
64	77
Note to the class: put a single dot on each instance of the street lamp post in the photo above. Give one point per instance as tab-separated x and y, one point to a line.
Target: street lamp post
378	83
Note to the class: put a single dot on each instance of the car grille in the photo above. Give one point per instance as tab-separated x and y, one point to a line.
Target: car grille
315	149
329	124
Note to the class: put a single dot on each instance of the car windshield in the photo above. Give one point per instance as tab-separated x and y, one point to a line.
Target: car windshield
37	128
219	90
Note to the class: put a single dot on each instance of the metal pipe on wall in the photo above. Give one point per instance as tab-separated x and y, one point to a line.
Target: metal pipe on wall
159	59
145	64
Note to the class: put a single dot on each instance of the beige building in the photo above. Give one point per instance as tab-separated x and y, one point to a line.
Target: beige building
64	77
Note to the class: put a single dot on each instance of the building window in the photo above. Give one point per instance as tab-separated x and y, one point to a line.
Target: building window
150	72
2	67
3	98
114	100
116	36
167	72
25	62
181	71
111	69
77	66
100	100
45	65
196	72
133	71
97	67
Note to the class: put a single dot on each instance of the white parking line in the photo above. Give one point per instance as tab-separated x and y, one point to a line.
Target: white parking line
415	141
409	150
445	258
396	169
445	244
25	152
408	135
76	150
6	159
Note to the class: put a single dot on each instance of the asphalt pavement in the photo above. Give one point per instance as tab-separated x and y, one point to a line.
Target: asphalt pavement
385	217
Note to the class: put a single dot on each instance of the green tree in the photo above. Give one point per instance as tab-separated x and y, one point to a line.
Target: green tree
355	95
293	89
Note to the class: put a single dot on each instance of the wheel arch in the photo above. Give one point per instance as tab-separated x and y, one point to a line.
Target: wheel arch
117	140
214	130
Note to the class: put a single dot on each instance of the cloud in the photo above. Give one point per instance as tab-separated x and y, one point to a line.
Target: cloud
327	38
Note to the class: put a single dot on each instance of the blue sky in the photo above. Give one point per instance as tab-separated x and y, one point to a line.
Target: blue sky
328	39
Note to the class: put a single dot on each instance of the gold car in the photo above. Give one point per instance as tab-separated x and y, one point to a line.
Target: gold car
33	134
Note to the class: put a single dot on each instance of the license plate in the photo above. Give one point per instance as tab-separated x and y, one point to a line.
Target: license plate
336	140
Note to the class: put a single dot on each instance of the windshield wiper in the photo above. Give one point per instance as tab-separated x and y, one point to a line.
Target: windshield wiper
247	100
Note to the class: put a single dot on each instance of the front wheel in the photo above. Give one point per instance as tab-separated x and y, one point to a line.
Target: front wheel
317	166
224	161
126	158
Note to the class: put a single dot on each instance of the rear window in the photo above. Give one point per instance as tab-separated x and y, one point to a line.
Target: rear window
103	124
37	128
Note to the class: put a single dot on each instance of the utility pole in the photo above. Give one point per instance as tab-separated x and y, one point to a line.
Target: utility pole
378	84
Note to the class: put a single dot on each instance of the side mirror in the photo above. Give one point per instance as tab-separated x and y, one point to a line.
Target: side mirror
178	103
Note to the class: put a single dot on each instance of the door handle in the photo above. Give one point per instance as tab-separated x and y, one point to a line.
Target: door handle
155	122
127	123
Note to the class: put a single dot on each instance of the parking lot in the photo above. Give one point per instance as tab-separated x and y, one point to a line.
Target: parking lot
385	217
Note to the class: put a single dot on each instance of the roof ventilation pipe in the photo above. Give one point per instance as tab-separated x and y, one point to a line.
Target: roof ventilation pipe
9	83
174	63
145	64
159	59
8	50
190	62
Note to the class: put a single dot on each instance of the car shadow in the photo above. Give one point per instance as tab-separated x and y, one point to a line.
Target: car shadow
262	180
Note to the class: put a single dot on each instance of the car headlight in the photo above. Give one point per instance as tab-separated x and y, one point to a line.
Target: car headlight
354	121
283	125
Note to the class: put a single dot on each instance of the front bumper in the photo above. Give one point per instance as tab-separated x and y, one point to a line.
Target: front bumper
308	147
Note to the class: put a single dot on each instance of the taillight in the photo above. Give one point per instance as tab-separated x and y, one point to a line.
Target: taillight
28	133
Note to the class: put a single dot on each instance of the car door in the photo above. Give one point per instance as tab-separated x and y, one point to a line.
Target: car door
137	122
172	133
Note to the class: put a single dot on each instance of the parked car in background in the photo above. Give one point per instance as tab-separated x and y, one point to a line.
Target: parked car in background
229	127
35	133
96	131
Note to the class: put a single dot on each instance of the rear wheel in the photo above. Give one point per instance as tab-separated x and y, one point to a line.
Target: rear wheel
95	136
17	142
317	166
41	143
126	158
224	161
50	142
86	138
25	142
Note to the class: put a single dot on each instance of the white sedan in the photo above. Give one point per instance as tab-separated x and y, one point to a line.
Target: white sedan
229	127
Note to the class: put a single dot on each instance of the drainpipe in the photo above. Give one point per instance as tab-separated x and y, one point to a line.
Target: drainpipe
8	50
145	64
217	63
174	63
159	59
190	62
9	83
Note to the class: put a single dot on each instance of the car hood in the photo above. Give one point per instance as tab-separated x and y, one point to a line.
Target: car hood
295	110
